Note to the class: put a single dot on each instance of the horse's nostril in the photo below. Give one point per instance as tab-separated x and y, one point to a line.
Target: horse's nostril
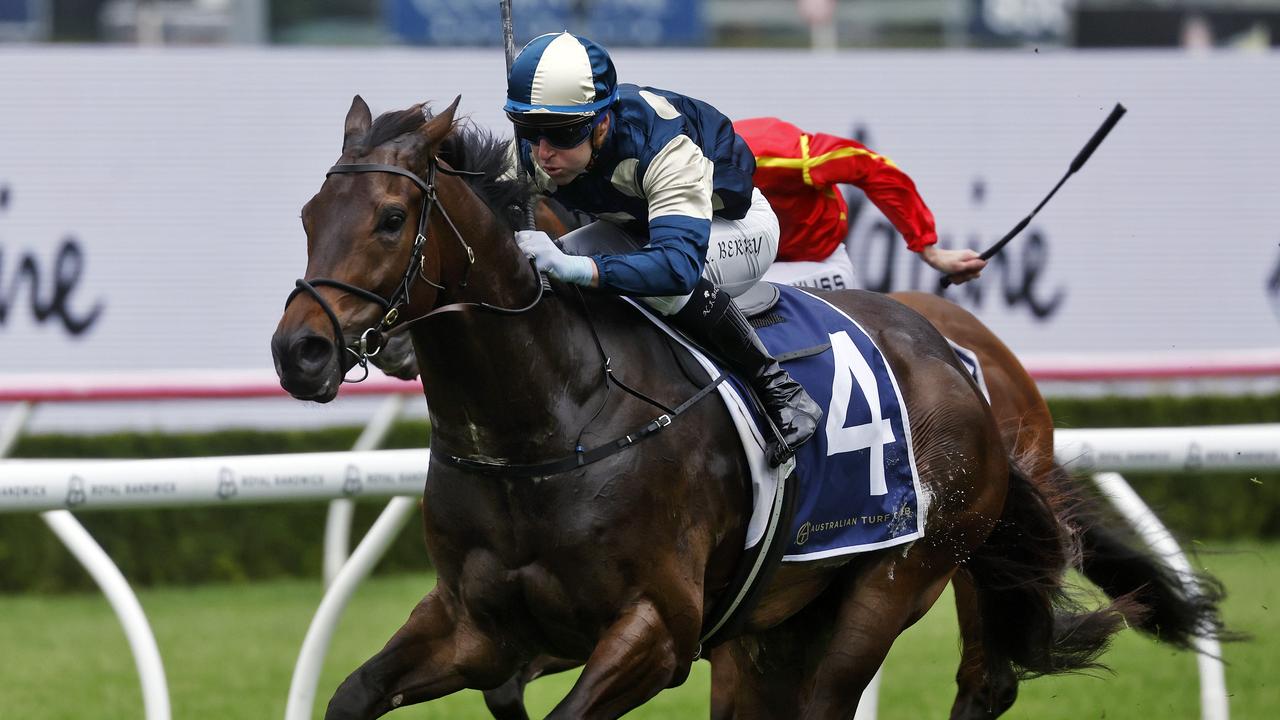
312	352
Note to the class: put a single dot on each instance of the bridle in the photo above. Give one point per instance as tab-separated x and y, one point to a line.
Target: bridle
370	344
371	341
363	349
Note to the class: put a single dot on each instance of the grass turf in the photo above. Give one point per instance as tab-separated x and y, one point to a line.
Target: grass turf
229	653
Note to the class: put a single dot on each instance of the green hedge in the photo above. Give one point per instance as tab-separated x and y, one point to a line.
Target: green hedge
1200	506
1164	411
237	544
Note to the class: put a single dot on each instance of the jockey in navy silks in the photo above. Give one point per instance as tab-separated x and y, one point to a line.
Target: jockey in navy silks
679	224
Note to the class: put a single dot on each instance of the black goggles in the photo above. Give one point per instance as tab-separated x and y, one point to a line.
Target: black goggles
565	136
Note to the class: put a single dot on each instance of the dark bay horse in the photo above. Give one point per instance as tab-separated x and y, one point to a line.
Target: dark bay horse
1160	603
615	564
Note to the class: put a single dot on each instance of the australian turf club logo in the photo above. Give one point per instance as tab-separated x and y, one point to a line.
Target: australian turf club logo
802	535
1195	458
227	484
352	484
75	492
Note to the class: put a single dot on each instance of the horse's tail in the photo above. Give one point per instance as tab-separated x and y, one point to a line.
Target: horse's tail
1030	624
1176	610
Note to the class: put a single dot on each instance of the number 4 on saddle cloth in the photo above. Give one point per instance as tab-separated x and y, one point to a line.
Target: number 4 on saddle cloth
856	484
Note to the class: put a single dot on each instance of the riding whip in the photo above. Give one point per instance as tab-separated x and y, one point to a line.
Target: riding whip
1116	113
509	45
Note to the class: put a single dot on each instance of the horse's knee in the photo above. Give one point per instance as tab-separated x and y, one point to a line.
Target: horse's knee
637	658
985	698
506	702
436	652
1004	691
355	699
754	680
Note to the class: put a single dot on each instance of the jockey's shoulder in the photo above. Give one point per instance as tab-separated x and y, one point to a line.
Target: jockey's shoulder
648	109
653	117
645	122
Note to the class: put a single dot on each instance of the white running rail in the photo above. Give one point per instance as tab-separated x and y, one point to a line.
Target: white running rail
1213	676
53	488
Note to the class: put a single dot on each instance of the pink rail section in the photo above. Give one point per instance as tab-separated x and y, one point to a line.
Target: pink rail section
198	384
181	385
1123	367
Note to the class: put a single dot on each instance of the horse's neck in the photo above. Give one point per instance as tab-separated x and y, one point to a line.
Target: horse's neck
503	385
508	387
498	273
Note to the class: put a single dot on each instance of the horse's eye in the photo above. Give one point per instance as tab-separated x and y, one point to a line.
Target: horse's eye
392	222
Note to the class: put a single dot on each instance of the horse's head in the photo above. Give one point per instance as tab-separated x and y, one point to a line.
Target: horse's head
368	259
397	358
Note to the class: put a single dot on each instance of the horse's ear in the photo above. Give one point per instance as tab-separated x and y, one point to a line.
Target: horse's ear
358	120
438	127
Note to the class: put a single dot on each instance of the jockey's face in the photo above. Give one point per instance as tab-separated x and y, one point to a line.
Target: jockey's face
564	165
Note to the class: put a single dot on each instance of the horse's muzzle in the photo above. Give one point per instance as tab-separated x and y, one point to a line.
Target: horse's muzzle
307	364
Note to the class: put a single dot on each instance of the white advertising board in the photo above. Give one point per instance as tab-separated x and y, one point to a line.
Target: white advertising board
149	198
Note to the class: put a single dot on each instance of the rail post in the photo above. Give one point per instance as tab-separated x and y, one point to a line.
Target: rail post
337	527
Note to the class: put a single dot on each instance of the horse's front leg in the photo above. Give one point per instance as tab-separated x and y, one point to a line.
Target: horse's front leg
436	652
642	653
506	702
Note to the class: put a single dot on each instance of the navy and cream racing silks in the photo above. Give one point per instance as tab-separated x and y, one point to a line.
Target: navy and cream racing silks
561	74
668	164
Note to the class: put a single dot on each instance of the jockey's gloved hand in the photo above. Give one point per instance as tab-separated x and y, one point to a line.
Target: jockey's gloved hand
552	260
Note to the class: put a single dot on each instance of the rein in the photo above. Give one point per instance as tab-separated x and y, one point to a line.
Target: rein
581	457
372	339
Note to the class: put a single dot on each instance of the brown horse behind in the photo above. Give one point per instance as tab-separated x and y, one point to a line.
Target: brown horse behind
1156	600
615	564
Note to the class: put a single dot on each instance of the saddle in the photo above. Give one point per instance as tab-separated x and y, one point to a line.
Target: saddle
758	300
855	486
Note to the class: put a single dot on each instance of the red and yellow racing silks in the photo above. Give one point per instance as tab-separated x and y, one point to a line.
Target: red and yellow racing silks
798	171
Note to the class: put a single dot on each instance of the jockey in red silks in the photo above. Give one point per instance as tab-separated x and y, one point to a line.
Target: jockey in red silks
798	172
678	223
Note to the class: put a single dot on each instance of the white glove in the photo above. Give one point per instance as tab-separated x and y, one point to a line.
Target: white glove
551	259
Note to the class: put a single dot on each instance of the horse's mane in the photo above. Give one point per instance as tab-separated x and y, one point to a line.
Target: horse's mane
478	150
469	148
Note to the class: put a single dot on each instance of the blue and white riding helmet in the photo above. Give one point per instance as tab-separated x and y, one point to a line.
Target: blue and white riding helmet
558	87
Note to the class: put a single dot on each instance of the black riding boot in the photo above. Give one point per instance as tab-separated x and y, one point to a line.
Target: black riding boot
712	320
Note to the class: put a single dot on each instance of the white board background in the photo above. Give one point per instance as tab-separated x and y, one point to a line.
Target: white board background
180	174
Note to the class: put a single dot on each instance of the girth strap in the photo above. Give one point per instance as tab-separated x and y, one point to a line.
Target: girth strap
581	458
755	569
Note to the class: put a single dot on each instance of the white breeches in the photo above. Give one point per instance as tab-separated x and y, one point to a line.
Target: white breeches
738	254
834	273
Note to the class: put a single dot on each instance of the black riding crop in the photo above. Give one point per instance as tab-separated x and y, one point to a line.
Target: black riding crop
1116	113
509	45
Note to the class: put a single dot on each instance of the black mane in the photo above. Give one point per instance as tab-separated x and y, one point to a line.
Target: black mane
391	125
468	148
478	150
